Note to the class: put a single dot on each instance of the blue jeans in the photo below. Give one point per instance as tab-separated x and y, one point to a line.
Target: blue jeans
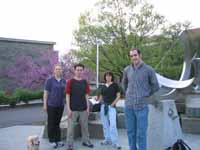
136	120
109	124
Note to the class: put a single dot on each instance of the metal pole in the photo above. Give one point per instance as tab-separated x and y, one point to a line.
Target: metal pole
97	65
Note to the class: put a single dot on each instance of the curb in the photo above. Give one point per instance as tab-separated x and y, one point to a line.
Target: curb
21	105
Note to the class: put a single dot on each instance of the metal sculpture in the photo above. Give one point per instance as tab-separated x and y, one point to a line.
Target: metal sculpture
191	65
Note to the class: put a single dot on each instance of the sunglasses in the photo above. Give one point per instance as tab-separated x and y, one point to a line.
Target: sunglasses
133	55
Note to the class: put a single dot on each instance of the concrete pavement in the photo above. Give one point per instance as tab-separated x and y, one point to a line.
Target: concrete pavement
14	138
23	115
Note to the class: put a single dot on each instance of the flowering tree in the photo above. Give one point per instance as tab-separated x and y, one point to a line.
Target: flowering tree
68	62
29	72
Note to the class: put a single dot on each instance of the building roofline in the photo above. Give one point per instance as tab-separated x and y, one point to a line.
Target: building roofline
27	41
194	29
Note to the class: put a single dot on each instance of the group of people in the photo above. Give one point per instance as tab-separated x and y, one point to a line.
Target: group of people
139	84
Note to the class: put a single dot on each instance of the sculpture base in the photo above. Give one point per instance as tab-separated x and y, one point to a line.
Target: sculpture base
164	126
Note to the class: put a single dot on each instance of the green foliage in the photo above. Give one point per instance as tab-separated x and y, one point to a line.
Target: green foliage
2	98
7	98
122	25
12	100
24	95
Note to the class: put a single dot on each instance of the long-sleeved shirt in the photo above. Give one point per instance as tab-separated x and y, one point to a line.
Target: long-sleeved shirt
139	83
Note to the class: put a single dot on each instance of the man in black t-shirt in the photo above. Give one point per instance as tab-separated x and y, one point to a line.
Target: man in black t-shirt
77	106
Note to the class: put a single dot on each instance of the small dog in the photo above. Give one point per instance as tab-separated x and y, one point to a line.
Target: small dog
33	142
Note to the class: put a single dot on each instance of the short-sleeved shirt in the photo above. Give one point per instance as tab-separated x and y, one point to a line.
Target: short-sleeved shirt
109	93
77	89
56	91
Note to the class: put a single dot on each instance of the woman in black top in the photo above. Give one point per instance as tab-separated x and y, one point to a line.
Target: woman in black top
110	94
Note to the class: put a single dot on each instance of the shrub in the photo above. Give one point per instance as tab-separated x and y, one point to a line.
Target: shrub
12	100
26	95
8	98
2	98
23	94
37	94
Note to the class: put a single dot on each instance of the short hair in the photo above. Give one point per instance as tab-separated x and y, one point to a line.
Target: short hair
58	64
110	74
79	65
136	49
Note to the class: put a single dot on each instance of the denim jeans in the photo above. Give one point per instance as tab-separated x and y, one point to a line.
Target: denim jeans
136	120
109	124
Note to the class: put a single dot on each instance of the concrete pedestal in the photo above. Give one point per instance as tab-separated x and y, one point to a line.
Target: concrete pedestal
164	127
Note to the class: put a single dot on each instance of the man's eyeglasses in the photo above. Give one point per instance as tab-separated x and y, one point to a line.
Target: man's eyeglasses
133	55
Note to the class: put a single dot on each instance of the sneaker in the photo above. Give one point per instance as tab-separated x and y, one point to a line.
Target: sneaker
106	142
60	144
54	145
88	144
117	147
69	147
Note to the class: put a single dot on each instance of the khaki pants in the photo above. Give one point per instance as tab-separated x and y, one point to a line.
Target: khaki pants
83	120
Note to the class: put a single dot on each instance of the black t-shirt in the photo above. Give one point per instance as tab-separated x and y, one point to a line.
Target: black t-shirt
109	93
77	89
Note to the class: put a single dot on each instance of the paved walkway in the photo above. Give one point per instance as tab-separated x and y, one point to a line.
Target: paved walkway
14	138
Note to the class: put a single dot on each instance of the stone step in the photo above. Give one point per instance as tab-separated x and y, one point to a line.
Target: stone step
190	124
193	106
94	116
121	121
192	112
94	126
96	129
63	127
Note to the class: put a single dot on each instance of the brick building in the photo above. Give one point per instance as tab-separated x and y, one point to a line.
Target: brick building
10	49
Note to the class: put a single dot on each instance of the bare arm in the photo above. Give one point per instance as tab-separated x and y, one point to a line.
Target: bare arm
69	112
45	96
99	98
116	100
87	101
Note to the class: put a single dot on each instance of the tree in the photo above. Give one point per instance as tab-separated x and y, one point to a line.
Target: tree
28	72
124	24
68	61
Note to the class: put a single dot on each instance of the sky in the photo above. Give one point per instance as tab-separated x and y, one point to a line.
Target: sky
55	20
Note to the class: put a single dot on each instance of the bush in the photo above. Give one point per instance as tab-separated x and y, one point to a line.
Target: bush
12	100
23	94
8	98
26	95
37	94
2	98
